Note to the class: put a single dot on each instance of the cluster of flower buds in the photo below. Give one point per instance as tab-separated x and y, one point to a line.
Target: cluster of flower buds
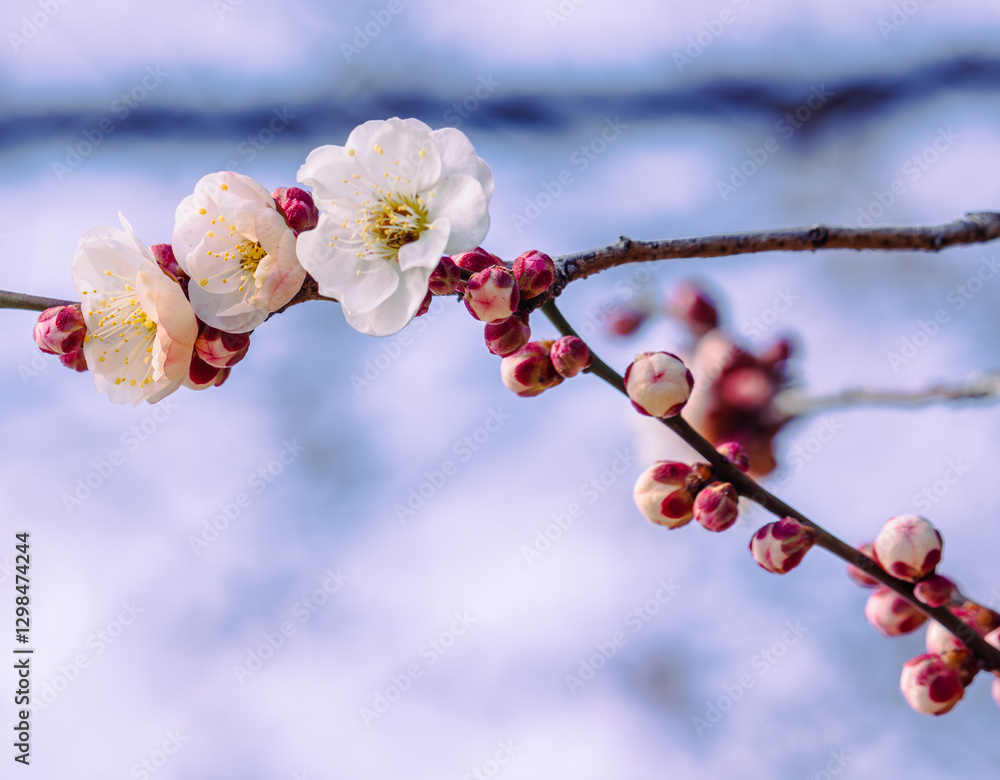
132	301
909	548
539	365
500	297
671	494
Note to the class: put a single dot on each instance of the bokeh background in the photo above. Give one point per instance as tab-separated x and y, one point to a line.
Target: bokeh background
324	633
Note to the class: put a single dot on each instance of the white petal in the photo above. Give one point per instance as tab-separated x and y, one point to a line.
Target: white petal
397	310
461	200
427	250
409	161
458	156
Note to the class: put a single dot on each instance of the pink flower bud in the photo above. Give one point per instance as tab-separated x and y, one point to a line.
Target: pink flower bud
297	207
735	454
508	336
859	576
220	349
476	260
891	614
445	278
996	690
934	591
529	371
201	375
491	295
692	306
662	494
60	330
716	507
780	546
930	685
164	255
908	547
626	322
570	356
658	383
425	304
74	360
976	620
534	272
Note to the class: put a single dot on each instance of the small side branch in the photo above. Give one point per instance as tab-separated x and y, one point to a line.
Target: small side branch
975	228
13	300
794	403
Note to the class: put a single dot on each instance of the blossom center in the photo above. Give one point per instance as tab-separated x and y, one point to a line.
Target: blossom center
251	253
392	222
123	322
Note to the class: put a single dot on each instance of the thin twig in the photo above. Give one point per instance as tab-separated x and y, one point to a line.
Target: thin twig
13	300
793	402
748	487
976	227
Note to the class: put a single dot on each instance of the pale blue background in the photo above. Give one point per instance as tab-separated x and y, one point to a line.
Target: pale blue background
227	68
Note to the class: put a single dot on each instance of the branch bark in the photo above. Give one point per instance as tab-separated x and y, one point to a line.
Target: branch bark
746	486
13	300
976	227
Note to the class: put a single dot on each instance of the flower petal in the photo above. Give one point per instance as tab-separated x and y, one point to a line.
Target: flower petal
461	200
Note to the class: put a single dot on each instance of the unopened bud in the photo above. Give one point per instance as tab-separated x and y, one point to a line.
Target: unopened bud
658	383
626	322
717	507
891	614
735	454
929	684
74	360
692	306
529	371
201	375
661	493
297	207
491	295
976	621
220	349
856	574
445	278
60	330
508	336
164	255
425	304
780	546
570	356
934	591
908	547
476	260
534	272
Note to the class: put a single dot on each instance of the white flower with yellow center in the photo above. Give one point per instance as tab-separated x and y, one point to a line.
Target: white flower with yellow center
234	244
392	201
140	328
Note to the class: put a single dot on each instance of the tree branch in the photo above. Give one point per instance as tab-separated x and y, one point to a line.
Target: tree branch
976	227
746	486
13	300
793	402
